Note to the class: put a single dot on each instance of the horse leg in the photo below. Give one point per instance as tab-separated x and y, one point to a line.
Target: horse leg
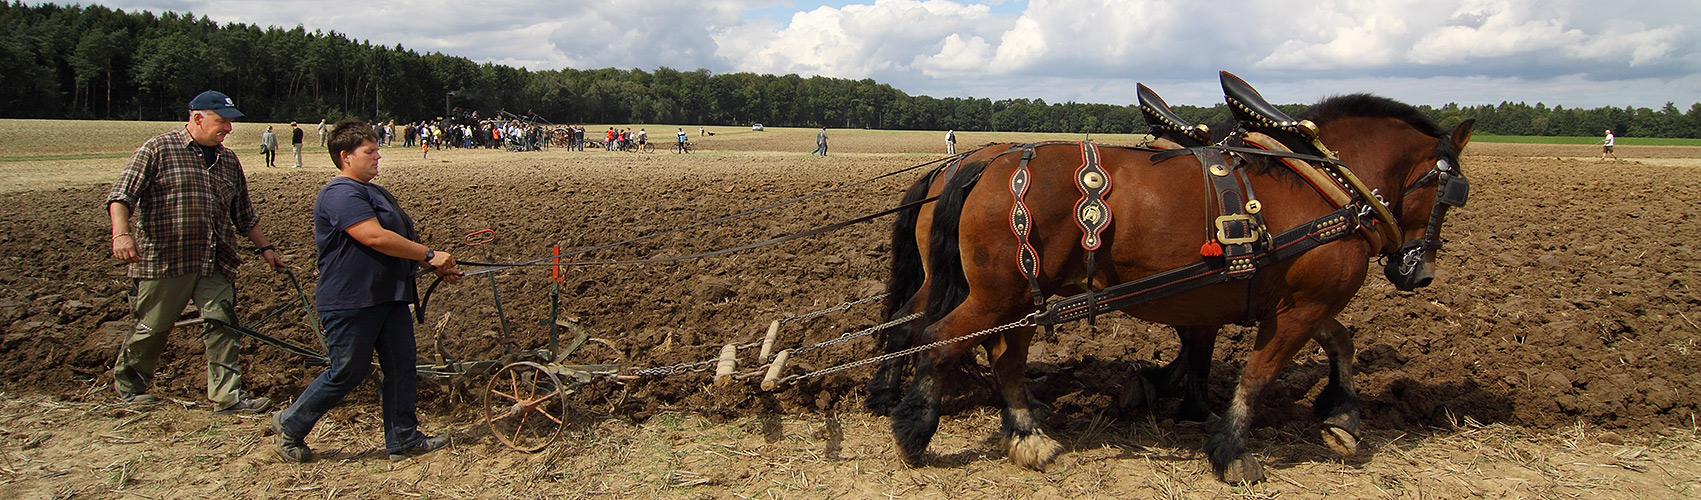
916	418
1189	373
1279	339
1024	440
882	389
1337	405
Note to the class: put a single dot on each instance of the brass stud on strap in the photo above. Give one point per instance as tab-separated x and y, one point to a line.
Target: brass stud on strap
1219	170
1253	206
1092	180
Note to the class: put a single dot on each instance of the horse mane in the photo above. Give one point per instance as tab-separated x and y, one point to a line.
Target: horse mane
1370	106
1373	106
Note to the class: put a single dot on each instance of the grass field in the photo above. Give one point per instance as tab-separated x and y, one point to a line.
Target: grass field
1621	141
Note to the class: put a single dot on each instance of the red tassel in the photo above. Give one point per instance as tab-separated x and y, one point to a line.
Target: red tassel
1211	249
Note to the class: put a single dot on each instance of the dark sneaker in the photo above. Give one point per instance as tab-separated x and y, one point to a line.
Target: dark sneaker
245	406
289	448
430	444
133	398
138	399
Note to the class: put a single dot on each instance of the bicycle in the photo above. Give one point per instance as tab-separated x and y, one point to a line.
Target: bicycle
684	146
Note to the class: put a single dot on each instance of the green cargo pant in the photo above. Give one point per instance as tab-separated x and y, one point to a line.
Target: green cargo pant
156	305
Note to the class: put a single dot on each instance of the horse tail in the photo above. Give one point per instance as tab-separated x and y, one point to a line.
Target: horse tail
950	286
907	271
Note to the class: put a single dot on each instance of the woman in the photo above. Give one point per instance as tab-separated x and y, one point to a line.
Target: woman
367	256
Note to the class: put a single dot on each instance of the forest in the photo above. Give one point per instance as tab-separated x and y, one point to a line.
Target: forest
93	62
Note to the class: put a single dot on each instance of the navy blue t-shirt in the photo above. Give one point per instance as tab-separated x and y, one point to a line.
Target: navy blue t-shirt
352	275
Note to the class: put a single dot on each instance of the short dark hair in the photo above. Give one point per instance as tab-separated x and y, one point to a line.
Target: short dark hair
348	135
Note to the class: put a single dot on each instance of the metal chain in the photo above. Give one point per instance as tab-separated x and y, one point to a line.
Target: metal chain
662	371
840	307
1026	321
854	335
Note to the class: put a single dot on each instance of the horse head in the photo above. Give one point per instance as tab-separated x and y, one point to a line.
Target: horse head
1418	189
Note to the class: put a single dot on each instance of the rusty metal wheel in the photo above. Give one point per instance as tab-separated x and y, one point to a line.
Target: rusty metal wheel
525	406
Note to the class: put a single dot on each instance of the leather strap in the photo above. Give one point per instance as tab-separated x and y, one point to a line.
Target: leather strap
1289	244
1234	229
1091	213
1021	223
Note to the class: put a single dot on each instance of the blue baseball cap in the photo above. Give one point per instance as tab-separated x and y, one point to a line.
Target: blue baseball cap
217	102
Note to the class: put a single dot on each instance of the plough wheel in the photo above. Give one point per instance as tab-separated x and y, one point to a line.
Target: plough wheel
526	406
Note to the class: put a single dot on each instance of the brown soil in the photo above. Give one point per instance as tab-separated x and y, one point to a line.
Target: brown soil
1555	356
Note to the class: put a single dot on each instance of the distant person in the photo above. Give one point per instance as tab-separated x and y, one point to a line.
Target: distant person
680	147
367	255
321	133
295	142
950	142
1606	147
821	142
643	138
269	146
187	195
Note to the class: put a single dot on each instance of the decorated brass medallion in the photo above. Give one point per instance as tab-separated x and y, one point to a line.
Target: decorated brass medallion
1090	214
1092	180
1219	170
1253	206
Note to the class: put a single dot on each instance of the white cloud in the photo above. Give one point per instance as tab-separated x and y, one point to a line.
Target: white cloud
1493	29
1083	50
856	41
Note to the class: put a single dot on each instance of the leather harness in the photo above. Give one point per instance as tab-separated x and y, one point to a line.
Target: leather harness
1238	243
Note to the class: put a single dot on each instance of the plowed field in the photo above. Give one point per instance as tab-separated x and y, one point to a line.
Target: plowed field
1556	355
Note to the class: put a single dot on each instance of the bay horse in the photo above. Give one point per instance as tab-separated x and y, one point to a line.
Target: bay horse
955	260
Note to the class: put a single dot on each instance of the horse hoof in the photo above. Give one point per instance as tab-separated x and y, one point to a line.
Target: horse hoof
1243	470
1344	443
1033	451
1138	391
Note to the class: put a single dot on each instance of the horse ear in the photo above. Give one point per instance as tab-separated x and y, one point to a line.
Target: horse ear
1462	134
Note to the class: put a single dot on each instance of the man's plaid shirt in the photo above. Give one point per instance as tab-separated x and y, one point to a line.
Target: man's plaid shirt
186	214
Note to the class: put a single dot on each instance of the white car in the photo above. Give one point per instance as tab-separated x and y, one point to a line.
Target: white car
756	127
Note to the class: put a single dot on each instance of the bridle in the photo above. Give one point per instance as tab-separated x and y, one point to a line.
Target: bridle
1451	190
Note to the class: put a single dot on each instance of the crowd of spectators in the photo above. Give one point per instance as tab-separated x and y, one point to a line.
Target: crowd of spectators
465	130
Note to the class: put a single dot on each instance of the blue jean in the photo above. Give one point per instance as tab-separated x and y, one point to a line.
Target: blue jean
351	337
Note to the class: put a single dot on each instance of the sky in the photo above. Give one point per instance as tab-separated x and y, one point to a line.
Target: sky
1641	53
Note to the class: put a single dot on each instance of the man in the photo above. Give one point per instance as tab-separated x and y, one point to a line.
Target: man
821	142
295	141
680	147
1606	147
269	146
321	134
189	199
950	142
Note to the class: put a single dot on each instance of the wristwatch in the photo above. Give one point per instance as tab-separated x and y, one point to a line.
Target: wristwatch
429	254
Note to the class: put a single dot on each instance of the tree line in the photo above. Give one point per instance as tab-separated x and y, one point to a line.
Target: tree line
93	62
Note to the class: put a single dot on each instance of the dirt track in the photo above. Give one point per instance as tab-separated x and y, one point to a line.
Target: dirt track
1564	307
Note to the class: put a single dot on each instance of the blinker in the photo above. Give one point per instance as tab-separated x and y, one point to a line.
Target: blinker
1452	190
